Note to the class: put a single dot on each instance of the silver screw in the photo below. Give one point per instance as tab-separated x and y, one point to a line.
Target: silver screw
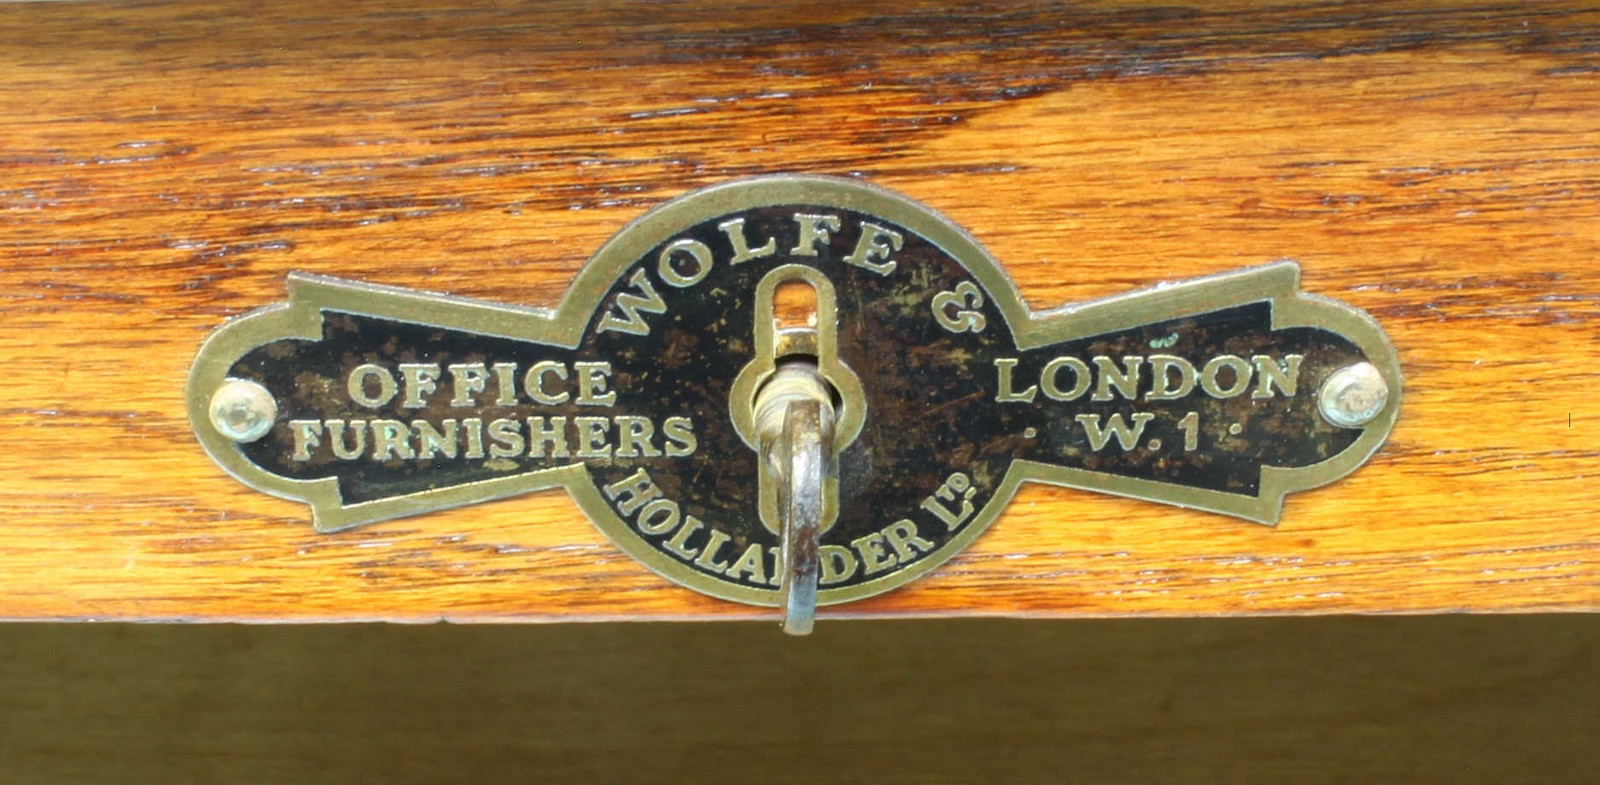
243	410
1353	395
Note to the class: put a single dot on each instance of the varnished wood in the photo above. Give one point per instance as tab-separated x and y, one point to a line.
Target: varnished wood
163	166
1447	699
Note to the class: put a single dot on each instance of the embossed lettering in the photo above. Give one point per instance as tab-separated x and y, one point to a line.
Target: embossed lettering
632	492
466	380
679	542
815	230
873	555
592	384
1050	381
742	252
356	385
505	437
533	382
633	437
624	316
417	380
433	441
698	258
1286	376
1163	388
1211	377
357	444
902	537
391	438
553	435
752	564
306	433
957	310
658	517
838	564
680	432
1100	434
876	242
707	559
592	440
1004	368
1125	379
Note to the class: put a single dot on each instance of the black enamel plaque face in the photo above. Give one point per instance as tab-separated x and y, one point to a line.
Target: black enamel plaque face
636	394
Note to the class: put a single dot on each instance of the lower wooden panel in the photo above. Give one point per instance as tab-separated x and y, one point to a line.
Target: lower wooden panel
165	165
1449	699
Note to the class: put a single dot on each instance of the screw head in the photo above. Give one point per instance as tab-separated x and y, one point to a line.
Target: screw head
243	410
1353	395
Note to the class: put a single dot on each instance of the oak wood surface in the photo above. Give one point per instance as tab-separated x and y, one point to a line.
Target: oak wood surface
1440	699
162	166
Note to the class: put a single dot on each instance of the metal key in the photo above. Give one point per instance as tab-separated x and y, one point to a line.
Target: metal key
794	418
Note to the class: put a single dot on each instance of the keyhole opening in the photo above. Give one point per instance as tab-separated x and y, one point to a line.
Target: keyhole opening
794	305
796	343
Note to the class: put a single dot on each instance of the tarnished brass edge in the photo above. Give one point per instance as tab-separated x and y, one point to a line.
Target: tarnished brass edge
1263	508
494	319
217	354
647	231
1356	325
1162	302
979	523
563	327
301	317
1278	283
328	519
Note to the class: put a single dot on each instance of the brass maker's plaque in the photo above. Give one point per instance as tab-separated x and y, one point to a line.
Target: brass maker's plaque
637	394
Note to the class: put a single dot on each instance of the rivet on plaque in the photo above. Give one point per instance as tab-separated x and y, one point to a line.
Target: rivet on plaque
853	453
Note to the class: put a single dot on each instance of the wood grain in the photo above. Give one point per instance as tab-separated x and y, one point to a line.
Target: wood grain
162	166
1326	701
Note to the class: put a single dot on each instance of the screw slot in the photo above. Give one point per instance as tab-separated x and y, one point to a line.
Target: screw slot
1353	396
243	410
